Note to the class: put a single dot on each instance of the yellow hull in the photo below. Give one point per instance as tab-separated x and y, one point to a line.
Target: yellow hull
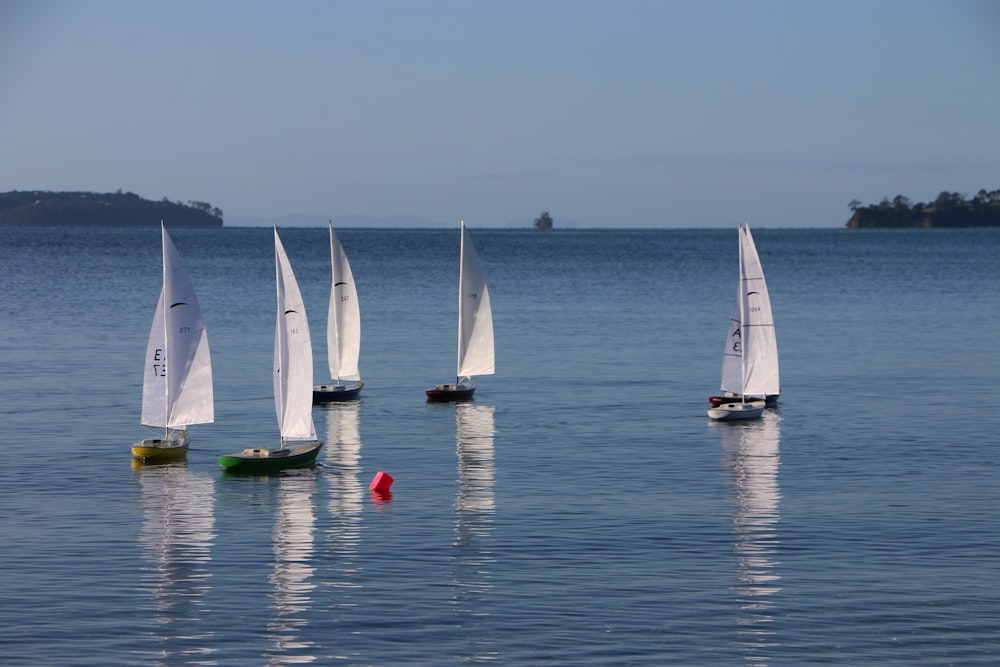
158	453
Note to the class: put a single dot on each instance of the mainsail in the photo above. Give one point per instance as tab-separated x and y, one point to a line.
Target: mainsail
343	327
475	317
293	364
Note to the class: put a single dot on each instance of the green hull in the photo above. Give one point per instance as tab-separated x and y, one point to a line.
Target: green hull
264	461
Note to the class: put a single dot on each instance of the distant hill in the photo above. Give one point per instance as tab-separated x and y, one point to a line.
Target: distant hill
94	209
950	209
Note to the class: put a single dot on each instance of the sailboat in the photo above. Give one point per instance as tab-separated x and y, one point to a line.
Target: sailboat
293	367
475	327
177	382
750	360
343	331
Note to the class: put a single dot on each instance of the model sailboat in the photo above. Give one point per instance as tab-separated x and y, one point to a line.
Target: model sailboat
293	367
750	360
343	331
177	382
475	327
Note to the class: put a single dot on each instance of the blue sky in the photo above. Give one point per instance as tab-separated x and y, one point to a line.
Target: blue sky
606	114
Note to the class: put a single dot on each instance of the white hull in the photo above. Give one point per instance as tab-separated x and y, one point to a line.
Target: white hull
770	399
733	411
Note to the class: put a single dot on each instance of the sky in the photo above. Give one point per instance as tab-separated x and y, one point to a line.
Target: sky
617	113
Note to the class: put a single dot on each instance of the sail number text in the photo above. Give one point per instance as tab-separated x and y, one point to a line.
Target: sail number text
159	362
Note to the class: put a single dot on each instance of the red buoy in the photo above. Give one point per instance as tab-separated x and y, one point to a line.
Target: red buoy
381	483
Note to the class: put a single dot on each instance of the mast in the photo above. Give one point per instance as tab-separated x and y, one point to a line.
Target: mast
333	316
279	341
743	320
461	269
761	354
166	330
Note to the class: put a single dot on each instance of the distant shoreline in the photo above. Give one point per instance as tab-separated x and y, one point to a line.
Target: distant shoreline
91	209
949	210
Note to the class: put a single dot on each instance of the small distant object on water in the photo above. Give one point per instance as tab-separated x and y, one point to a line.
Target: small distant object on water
544	221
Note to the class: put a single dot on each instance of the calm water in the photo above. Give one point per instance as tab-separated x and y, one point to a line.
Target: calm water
582	510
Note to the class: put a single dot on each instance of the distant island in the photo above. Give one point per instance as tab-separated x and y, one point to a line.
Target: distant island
950	209
544	221
94	209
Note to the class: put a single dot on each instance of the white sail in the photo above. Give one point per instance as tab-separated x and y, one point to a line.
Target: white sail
752	334
732	356
343	325
475	317
177	382
293	364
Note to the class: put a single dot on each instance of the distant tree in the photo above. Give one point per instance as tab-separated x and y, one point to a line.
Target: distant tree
854	205
544	221
947	200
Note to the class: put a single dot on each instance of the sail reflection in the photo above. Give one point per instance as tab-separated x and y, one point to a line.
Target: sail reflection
474	511
176	540
750	452
346	498
293	568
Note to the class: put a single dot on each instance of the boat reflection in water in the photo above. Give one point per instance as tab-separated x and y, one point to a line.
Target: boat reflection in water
750	454
346	500
475	507
292	577
176	542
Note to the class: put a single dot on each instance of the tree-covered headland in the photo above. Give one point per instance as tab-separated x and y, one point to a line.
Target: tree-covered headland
950	209
118	209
